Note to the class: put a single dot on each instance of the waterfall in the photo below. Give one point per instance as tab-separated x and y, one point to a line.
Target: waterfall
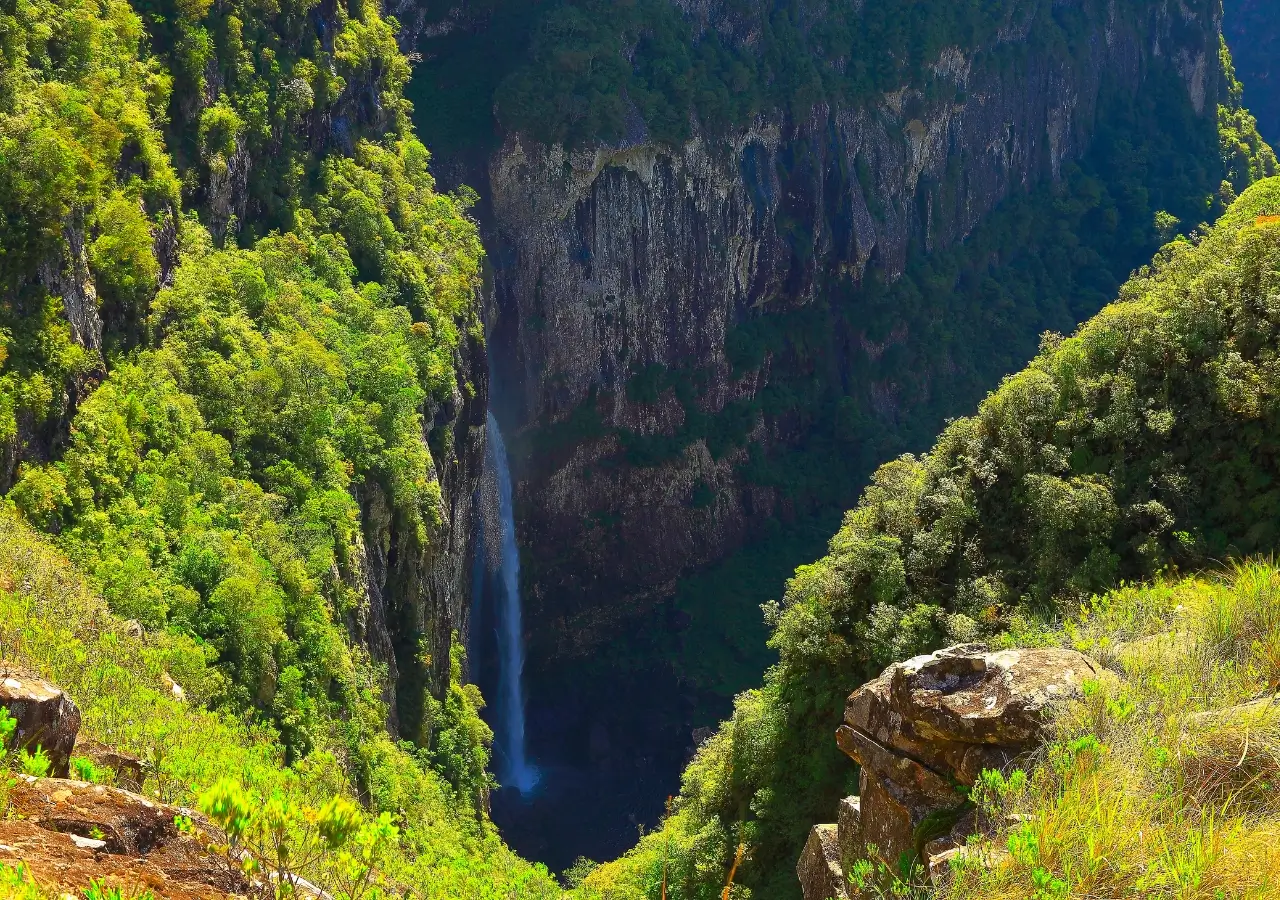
503	556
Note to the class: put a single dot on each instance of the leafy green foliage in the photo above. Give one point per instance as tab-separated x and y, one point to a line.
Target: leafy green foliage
84	769
1246	156
579	71
84	178
1142	442
269	363
97	890
278	836
212	484
16	883
33	762
54	623
274	356
1187	763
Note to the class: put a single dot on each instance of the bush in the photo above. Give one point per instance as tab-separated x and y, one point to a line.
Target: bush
52	623
1141	443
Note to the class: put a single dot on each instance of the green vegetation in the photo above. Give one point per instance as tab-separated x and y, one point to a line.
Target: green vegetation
211	484
231	197
414	827
208	485
580	71
874	369
1187	764
81	159
1143	442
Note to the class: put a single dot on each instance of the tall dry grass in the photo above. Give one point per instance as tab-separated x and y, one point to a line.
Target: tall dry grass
1164	781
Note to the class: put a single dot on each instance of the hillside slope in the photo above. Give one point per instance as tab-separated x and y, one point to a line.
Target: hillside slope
53	623
1147	440
242	376
742	253
728	243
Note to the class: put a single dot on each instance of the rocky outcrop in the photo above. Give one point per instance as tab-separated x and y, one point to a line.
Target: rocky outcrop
923	731
416	596
127	770
45	716
612	260
69	834
66	275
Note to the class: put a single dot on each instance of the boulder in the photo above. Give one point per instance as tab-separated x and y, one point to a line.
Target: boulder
819	869
69	834
129	771
46	717
922	732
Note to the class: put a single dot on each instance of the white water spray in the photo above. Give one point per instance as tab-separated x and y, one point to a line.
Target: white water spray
514	768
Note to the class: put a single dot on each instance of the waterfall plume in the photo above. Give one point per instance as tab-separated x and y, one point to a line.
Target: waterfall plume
501	558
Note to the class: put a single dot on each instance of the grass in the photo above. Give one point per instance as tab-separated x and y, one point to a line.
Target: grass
1164	782
52	623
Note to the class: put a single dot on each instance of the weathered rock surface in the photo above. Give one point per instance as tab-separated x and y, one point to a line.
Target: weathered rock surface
821	874
414	593
1252	28
920	731
609	259
69	833
129	771
45	715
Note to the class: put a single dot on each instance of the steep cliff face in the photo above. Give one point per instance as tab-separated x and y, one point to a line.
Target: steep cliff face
414	592
626	276
1252	28
416	597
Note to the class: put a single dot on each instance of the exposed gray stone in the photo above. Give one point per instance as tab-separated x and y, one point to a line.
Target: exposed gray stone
819	871
925	728
46	717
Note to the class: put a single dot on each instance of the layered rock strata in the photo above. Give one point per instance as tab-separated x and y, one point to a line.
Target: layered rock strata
922	732
610	261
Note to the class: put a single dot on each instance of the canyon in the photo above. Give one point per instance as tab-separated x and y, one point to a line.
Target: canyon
381	362
699	350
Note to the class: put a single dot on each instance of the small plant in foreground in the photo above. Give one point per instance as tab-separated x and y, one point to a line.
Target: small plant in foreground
85	770
8	725
282	839
16	883
35	764
875	878
97	890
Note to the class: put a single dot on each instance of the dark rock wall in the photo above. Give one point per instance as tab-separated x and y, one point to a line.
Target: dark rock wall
610	259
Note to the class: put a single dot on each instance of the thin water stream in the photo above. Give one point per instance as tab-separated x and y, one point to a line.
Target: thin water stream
514	769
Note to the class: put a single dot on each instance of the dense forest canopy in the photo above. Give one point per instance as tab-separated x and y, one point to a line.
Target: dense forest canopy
579	71
232	303
232	300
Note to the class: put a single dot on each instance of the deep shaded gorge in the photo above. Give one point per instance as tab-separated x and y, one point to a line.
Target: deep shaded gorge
614	728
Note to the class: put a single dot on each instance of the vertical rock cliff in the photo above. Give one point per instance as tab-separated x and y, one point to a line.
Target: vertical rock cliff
416	597
633	281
